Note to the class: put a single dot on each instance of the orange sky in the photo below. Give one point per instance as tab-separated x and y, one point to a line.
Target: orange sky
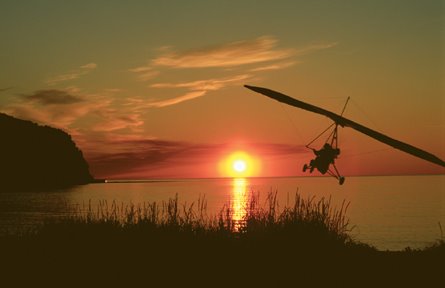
156	89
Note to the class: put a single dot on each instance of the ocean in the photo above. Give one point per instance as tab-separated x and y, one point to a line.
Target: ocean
388	212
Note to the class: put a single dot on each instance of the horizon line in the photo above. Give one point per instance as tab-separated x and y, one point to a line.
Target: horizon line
173	179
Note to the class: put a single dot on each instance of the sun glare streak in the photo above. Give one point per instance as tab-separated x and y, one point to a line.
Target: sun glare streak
239	201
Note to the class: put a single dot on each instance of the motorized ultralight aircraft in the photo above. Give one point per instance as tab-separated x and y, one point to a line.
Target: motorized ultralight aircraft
325	157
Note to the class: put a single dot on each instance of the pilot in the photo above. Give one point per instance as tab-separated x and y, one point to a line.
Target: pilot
324	157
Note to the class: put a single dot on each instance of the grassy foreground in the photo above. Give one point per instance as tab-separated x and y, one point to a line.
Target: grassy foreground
169	244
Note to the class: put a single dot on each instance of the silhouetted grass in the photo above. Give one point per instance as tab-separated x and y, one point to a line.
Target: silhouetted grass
306	220
306	241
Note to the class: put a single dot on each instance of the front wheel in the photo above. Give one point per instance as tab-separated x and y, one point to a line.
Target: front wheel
305	167
341	180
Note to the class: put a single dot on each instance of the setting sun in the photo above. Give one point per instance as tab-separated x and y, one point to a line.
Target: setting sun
239	164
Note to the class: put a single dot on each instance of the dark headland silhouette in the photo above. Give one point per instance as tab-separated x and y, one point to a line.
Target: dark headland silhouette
35	157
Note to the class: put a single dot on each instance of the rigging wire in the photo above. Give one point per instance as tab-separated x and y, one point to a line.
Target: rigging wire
319	135
292	122
367	116
344	107
333	134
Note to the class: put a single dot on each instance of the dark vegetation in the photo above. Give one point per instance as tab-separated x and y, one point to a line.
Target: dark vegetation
173	245
38	157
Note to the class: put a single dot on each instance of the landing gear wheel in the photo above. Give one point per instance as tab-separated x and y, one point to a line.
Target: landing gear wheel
341	180
305	167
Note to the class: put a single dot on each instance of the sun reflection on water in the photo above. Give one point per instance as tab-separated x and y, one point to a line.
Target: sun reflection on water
239	201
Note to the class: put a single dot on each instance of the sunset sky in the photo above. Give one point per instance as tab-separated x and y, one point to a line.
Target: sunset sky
155	88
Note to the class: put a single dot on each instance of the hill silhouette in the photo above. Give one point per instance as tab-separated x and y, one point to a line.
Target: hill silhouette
35	157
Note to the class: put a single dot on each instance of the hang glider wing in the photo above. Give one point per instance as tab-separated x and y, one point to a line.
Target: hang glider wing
344	122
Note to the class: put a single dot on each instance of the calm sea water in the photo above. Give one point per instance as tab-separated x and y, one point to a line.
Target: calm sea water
390	213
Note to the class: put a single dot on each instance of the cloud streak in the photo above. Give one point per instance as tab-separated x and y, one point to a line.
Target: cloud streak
315	47
147	157
69	108
57	108
232	54
53	97
262	53
145	73
197	89
113	122
74	74
5	89
276	66
207	85
177	100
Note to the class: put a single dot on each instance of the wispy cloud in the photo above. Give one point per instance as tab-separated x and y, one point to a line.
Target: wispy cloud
227	55
59	108
275	66
51	115
151	154
176	100
248	56
5	89
314	47
198	88
89	66
53	96
71	75
145	73
67	108
113	122
208	84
